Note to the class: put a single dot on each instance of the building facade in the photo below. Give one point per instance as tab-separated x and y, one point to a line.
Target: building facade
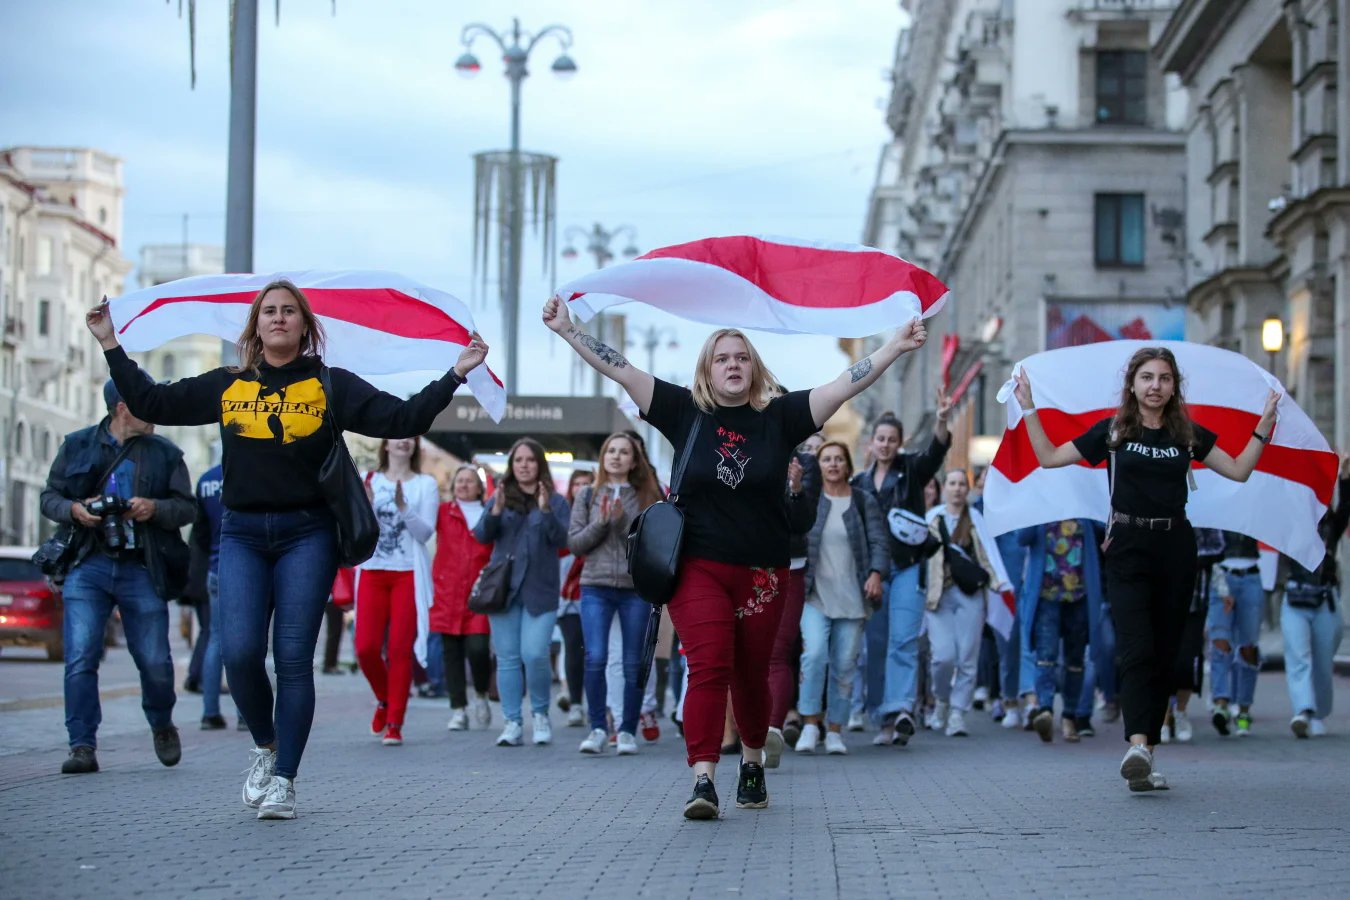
60	234
1038	168
1268	186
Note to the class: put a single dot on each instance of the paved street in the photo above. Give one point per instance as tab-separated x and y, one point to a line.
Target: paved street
997	814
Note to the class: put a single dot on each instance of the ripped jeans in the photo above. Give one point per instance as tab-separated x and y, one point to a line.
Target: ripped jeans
1058	620
1232	676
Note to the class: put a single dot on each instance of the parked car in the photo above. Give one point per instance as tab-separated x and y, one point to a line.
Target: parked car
30	606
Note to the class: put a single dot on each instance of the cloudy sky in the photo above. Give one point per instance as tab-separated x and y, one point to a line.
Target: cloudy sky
685	120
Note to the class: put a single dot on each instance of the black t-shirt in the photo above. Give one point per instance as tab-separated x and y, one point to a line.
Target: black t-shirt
1150	469
732	494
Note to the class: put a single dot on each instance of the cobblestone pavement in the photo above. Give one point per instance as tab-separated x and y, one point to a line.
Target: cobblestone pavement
449	814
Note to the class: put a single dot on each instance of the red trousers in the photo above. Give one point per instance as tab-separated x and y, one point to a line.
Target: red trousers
727	619
783	668
386	605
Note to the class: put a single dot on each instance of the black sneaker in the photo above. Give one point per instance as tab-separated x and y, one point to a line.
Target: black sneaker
80	762
213	723
167	746
904	728
750	790
703	801
1043	721
1084	726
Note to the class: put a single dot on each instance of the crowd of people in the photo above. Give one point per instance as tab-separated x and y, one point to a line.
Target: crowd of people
814	598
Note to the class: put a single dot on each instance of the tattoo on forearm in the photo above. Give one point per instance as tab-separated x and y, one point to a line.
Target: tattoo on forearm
605	353
860	370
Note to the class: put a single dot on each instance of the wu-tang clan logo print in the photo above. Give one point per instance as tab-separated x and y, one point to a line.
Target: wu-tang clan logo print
249	409
731	460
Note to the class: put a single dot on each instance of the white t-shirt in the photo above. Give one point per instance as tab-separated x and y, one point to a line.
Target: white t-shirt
473	511
394	551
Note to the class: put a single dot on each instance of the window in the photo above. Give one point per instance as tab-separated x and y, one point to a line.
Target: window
44	317
44	256
1122	87
1119	229
167	367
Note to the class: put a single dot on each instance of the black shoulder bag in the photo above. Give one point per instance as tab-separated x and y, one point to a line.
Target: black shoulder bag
58	553
358	530
968	575
656	536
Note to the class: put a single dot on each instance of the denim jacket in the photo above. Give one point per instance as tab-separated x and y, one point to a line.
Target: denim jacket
867	534
534	538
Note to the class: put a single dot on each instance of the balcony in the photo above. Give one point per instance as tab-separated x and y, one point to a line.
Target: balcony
1099	10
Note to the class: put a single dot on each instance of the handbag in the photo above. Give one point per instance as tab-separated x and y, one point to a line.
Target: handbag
968	575
656	536
358	531
58	553
491	591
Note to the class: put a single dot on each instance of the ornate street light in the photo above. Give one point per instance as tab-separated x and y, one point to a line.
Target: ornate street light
598	242
1272	338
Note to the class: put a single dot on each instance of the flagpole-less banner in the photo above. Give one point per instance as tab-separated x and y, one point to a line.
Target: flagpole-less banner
377	323
768	284
1076	387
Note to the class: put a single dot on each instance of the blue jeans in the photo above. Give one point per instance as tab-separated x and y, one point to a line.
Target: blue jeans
1055	621
599	606
832	642
91	590
893	646
519	637
1311	637
278	566
212	662
1232	677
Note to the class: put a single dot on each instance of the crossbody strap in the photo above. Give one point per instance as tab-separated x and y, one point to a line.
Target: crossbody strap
677	476
326	382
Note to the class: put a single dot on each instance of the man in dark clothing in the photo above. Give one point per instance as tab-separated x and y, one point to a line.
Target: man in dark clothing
126	493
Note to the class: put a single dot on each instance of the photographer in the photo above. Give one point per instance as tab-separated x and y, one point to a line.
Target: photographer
126	492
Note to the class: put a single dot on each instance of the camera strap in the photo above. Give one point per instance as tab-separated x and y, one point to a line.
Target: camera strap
117	460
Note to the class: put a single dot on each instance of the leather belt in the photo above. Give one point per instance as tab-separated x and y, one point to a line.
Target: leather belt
1161	524
1250	570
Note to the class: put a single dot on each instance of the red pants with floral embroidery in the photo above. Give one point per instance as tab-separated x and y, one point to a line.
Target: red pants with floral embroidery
727	618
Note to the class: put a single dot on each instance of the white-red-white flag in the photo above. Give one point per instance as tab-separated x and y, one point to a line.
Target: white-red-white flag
1076	387
377	323
768	284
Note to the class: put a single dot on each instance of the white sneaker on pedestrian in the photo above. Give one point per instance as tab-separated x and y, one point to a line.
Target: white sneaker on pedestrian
834	744
773	748
595	742
575	717
513	735
482	712
1165	736
543	729
937	719
459	721
1012	717
980	698
260	772
626	744
856	722
1181	727
1137	768
1300	725
885	737
956	724
810	737
1317	728
279	803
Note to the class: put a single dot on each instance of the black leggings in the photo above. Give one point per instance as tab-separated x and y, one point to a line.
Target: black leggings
1150	579
455	649
574	656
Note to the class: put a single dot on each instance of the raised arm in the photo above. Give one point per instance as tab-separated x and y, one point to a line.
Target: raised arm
1047	454
600	356
1240	468
826	399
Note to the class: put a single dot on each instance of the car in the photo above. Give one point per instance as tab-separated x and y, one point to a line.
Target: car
30	605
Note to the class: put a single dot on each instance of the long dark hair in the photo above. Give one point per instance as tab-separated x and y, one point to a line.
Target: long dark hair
516	498
250	345
642	476
414	463
1176	416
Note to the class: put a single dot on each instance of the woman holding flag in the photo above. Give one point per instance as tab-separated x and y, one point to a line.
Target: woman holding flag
1151	443
278	545
727	601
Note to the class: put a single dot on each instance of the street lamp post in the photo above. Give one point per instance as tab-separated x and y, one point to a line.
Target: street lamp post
650	338
598	242
515	56
1272	338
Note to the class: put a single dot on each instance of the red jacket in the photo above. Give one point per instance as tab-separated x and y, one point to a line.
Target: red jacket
459	559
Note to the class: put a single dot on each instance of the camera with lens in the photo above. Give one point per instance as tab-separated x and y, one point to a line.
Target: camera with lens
115	530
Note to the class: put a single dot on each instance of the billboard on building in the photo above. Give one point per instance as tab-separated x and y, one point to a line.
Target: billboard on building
1072	324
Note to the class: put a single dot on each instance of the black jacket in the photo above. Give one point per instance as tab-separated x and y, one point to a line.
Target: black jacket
903	488
801	508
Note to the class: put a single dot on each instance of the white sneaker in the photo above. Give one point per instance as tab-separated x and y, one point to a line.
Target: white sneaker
1300	725
260	772
1012	717
856	722
575	717
810	737
459	721
1181	727
595	742
956	724
885	737
834	744
482	712
981	698
1137	768
543	729
279	803
937	719
625	744
1165	736
513	735
773	748
1317	728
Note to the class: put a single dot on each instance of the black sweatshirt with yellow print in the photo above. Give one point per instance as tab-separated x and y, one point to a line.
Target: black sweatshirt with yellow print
272	427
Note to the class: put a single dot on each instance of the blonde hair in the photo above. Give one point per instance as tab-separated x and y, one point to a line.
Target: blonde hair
250	345
763	385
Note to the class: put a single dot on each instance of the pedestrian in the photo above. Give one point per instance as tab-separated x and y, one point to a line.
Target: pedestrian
393	587
954	604
571	566
124	492
1237	603
1150	444
727	599
1310	619
624	486
527	522
278	538
848	559
207	529
1188	672
340	601
897	479
464	633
